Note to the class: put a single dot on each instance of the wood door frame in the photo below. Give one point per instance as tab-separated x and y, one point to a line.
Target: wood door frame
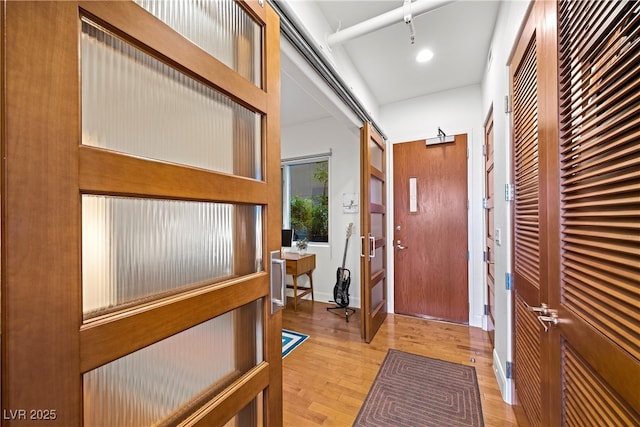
44	172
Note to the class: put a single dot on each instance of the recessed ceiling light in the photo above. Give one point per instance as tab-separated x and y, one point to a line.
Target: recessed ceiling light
424	55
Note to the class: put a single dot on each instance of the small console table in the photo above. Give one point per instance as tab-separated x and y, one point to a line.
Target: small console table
297	265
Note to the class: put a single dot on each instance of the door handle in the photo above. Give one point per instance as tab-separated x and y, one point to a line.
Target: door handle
548	320
399	245
362	247
546	317
278	284
372	247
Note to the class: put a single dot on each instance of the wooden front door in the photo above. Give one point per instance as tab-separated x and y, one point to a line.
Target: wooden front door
140	199
373	214
430	230
490	237
577	171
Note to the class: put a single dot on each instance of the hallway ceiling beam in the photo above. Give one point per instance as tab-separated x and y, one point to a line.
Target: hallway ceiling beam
417	8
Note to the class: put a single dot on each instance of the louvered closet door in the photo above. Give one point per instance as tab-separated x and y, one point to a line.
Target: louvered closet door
533	121
141	198
598	350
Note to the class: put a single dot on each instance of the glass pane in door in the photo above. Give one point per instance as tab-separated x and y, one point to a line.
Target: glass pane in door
220	27
136	249
138	105
154	384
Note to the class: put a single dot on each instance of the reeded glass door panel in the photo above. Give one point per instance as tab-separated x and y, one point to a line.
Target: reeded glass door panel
155	383
376	190
134	104
134	249
377	224
219	27
377	262
376	155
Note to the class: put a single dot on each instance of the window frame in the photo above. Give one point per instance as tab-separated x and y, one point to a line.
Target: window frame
285	165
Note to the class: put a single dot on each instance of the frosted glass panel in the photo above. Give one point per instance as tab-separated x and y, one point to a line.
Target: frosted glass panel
375	154
135	104
220	27
377	263
152	384
377	224
138	248
375	194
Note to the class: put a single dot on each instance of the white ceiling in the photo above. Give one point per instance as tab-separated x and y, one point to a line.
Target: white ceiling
458	33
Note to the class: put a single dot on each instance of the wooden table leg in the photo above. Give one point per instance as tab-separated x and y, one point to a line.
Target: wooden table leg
295	293
311	285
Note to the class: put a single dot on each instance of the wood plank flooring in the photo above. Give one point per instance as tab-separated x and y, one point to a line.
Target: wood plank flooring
327	378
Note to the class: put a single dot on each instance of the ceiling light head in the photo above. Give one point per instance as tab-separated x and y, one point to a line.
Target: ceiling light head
424	55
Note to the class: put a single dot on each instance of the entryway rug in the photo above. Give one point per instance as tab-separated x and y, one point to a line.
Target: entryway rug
413	390
291	340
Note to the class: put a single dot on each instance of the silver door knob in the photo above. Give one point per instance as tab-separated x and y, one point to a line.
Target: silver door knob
399	245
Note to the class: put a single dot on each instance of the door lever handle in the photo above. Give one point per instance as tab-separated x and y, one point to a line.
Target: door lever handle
399	245
545	320
543	309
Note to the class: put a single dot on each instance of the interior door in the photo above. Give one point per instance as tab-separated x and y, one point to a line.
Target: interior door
141	198
373	179
532	116
490	238
430	233
596	345
576	214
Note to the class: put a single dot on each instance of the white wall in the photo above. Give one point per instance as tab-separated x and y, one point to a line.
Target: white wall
343	141
495	86
456	111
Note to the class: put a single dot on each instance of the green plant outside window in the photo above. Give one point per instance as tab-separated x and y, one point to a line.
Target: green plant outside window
309	201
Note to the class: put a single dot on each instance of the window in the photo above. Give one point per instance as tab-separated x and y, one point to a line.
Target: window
305	198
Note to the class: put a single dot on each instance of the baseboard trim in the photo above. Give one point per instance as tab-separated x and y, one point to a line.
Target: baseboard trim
476	320
505	384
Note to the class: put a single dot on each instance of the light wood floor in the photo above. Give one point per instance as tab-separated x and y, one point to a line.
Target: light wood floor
327	378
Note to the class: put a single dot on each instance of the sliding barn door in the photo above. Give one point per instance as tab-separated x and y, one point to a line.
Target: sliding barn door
141	197
597	347
534	127
373	214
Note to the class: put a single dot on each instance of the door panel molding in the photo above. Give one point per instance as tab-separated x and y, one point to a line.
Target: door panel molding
108	172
